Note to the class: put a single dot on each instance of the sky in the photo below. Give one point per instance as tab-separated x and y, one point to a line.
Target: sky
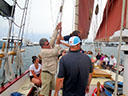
42	17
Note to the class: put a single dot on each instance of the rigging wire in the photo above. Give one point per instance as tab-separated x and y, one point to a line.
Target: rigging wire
18	5
7	18
10	25
24	20
28	21
120	40
14	22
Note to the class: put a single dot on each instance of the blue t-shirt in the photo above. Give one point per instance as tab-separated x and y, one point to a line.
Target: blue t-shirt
74	68
66	38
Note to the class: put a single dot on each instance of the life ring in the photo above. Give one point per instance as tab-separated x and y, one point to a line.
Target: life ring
95	90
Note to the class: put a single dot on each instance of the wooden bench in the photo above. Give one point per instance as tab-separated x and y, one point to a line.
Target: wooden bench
101	73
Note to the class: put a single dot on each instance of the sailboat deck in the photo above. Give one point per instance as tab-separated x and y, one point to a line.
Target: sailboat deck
93	84
26	87
120	78
102	75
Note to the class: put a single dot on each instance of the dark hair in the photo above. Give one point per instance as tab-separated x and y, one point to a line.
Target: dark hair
42	41
75	33
34	58
61	53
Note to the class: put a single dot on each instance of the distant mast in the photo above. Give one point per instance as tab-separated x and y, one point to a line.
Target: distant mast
76	14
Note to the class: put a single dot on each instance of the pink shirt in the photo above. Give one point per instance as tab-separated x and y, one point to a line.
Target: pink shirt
102	58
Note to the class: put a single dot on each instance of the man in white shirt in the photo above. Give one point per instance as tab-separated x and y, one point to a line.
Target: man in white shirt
113	62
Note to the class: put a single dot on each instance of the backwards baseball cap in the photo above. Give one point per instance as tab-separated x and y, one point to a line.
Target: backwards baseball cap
74	40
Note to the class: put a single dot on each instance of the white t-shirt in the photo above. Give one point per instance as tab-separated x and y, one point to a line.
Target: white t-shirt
32	67
112	61
106	60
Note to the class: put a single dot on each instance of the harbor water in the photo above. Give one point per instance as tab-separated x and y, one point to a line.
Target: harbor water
34	50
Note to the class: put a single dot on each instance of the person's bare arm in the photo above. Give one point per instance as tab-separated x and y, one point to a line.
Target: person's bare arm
59	85
33	73
67	45
89	81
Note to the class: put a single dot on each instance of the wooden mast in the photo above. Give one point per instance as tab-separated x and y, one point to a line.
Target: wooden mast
76	14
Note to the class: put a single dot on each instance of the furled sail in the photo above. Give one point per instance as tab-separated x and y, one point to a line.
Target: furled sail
85	15
111	20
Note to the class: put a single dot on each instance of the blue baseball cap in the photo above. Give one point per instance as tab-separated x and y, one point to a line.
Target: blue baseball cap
74	40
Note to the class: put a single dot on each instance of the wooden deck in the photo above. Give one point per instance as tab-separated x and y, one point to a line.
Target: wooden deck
99	75
102	75
26	87
120	78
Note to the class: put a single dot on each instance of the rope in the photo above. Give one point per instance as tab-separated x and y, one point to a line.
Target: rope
60	12
27	87
118	61
20	7
8	71
18	58
23	20
15	23
10	25
73	16
51	12
27	26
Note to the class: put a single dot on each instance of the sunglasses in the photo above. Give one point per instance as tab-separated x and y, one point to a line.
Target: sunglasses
46	44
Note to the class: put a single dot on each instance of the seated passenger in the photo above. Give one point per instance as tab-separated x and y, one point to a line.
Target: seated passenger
62	53
35	71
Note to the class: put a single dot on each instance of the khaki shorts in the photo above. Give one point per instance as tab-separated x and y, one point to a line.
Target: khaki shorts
48	83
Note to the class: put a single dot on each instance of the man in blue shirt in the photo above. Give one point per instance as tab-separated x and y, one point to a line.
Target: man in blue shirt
74	33
75	71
